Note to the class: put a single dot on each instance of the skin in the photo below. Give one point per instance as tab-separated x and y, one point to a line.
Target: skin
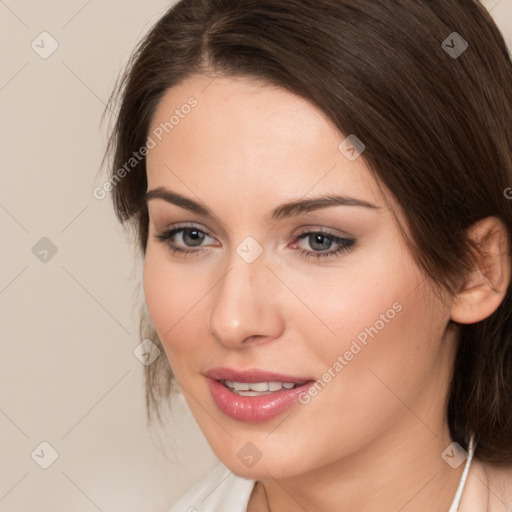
372	438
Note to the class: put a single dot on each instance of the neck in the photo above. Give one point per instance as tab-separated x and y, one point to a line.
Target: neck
411	476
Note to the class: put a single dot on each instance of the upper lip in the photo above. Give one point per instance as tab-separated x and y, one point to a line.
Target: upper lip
252	375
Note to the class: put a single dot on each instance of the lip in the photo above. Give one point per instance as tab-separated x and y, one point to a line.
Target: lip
252	375
254	409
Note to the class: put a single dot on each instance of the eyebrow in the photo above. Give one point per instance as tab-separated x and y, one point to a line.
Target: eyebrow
283	211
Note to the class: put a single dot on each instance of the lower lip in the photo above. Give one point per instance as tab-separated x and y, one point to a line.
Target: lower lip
254	409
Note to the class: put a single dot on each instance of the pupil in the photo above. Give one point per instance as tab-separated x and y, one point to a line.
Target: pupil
194	236
322	241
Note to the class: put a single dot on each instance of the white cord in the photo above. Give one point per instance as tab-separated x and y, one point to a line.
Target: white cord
458	494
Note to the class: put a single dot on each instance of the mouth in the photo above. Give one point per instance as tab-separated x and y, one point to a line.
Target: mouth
254	395
257	388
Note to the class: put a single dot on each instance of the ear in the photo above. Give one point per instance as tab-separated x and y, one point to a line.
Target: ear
483	290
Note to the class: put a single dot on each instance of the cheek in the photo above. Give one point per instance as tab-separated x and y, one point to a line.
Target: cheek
172	296
389	328
378	317
360	301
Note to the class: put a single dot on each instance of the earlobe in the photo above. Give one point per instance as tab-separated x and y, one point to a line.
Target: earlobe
483	290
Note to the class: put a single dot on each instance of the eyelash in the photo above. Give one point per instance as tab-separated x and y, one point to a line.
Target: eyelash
346	244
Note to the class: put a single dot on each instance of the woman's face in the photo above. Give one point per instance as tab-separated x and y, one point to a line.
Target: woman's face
310	292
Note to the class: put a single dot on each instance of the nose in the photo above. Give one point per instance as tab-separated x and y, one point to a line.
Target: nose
244	305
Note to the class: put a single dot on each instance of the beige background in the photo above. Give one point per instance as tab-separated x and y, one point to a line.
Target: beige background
68	330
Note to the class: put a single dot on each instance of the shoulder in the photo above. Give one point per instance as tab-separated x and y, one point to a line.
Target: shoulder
500	487
489	489
219	490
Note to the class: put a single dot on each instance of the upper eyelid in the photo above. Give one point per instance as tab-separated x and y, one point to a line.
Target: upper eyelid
170	226
326	231
303	229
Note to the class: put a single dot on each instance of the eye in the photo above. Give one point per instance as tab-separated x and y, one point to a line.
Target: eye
321	243
184	239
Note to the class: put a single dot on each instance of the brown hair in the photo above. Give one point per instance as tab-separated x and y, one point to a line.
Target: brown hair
437	129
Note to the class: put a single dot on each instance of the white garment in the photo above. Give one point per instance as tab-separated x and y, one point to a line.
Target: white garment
220	490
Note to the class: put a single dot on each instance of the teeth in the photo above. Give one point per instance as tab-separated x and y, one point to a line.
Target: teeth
241	386
257	388
275	386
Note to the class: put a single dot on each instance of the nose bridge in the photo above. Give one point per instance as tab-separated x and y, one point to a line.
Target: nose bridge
242	304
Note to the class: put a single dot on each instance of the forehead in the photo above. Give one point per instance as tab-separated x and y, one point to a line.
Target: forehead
238	136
